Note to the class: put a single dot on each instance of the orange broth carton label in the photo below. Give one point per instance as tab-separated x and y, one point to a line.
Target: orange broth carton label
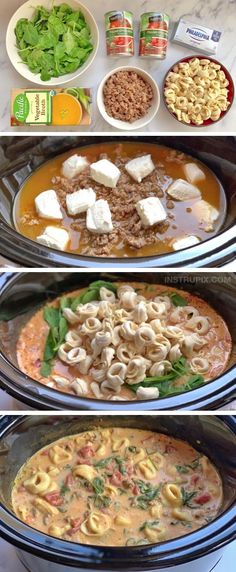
70	106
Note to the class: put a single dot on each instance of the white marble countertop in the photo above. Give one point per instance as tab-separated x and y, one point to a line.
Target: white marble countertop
220	15
10	563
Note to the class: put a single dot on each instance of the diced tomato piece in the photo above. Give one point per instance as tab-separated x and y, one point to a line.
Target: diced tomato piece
111	466
203	499
86	452
29	519
170	449
129	469
194	479
54	498
116	478
81	461
45	453
69	480
136	490
75	523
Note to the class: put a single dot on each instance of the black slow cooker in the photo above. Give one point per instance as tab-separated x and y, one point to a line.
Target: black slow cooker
23	293
21	437
22	155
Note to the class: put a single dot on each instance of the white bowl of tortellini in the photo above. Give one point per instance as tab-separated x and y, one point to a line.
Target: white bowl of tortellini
198	91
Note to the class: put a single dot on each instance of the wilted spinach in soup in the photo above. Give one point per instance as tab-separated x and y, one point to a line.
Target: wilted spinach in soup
119	341
116	487
122	200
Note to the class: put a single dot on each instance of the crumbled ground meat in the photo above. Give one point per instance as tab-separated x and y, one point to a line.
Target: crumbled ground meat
128	230
127	96
176	156
170	204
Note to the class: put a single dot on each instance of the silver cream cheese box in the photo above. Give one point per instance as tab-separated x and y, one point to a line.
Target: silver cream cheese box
201	38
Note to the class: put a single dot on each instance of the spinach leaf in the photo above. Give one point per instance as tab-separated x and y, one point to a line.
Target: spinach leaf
118	460
58	329
104	462
98	485
100	501
49	349
51	316
187	497
182	469
89	296
31	36
45	369
61	34
178	300
64	489
165	383
108	285
92	293
148	494
69	41
194	464
149	524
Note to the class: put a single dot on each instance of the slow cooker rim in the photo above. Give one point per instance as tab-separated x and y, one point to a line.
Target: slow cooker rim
220	532
66	258
192	399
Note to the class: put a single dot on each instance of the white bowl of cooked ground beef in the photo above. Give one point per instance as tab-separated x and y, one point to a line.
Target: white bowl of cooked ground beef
128	98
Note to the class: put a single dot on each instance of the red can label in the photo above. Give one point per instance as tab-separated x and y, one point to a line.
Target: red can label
153	37
119	33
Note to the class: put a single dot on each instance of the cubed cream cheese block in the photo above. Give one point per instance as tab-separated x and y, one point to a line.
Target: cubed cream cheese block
193	173
99	218
105	173
73	166
47	205
80	201
140	167
151	211
206	214
54	237
185	242
183	191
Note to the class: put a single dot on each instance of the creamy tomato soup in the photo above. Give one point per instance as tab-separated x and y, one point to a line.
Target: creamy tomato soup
116	487
119	341
166	202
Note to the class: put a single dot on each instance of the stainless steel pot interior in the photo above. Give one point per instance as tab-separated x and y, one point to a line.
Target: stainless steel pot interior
20	437
25	155
22	294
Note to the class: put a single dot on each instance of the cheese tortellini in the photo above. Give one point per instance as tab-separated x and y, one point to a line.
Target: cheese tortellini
117	346
197	90
38	483
124	339
96	524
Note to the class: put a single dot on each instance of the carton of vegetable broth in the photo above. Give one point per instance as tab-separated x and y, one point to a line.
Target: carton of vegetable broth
59	107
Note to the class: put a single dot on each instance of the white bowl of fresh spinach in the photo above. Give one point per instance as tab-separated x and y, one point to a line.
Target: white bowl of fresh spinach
52	43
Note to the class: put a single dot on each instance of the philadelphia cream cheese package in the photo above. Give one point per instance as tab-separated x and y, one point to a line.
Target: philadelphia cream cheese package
201	38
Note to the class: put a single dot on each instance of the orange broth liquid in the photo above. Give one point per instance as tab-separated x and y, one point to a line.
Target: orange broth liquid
184	222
